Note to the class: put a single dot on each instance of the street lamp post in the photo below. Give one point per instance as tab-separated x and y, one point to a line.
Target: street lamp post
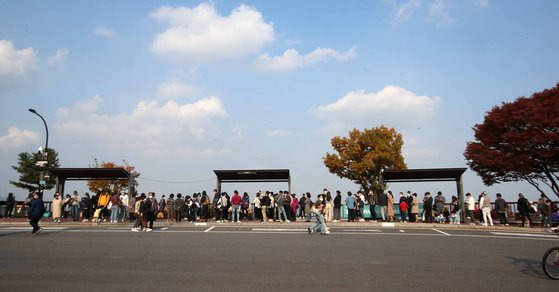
42	167
46	128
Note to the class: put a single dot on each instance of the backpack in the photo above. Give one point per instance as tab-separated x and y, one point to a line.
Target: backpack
245	203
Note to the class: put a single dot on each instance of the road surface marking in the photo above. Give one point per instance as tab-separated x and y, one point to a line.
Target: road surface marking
401	230
387	224
440	231
525	234
360	230
31	228
200	224
277	229
209	229
164	228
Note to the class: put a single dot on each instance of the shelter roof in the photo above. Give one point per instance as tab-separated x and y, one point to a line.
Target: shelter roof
253	175
90	173
418	175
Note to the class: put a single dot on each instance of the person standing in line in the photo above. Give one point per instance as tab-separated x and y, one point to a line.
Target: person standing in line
294	206
205	206
350	204
302	202
132	207
439	203
383	202
56	208
372	199
10	204
470	208
428	207
257	208
171	208
403	209
215	203
103	203
409	201
414	208
179	206
287	205
123	206
524	210
236	202
337	206
245	205
225	202
115	205
390	205
162	208
264	203
360	205
86	207
544	205
281	208
501	208
308	207
35	212
454	217
75	207
400	200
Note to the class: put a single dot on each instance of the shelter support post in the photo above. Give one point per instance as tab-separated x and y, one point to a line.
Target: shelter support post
218	186
460	191
60	185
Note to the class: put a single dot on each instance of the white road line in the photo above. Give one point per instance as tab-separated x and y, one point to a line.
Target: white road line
401	230
164	228
387	224
361	230
442	232
277	229
31	228
525	235
200	224
209	229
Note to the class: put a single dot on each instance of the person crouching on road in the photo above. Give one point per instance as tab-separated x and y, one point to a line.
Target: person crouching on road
318	211
36	212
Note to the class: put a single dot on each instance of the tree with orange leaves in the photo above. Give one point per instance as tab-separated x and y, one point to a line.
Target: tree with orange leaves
112	185
364	155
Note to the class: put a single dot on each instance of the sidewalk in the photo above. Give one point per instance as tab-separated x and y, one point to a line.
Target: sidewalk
396	225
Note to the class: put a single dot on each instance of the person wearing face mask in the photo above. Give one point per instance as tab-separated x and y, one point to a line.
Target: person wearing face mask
151	209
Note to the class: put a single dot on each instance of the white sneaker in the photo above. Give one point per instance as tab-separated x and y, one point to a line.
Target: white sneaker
148	229
287	221
361	220
135	229
327	232
104	220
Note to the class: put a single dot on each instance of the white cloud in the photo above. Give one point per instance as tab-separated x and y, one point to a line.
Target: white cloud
104	32
481	3
59	57
404	11
17	137
14	62
151	127
291	59
175	89
277	133
392	106
202	33
439	12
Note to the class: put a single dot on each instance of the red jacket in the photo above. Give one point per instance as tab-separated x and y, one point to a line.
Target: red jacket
236	200
404	206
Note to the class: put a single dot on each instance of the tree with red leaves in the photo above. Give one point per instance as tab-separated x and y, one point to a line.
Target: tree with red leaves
519	141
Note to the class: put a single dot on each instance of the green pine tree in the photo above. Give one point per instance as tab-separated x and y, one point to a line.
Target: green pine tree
30	173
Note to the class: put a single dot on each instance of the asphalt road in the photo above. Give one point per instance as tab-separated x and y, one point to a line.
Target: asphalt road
272	259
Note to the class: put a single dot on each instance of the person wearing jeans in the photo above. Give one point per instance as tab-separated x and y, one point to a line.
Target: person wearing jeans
317	210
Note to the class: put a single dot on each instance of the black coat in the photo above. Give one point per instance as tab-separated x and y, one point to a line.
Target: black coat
428	204
338	201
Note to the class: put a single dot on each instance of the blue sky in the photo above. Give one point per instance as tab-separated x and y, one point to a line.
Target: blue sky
179	88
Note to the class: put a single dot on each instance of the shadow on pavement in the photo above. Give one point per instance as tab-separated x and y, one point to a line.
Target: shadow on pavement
529	267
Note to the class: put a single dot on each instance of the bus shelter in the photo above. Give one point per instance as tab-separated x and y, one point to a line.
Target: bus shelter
430	175
68	174
252	176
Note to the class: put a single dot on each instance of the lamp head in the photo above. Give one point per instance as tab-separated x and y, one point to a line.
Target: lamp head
32	110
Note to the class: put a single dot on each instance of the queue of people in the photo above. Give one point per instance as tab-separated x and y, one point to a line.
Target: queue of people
285	207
